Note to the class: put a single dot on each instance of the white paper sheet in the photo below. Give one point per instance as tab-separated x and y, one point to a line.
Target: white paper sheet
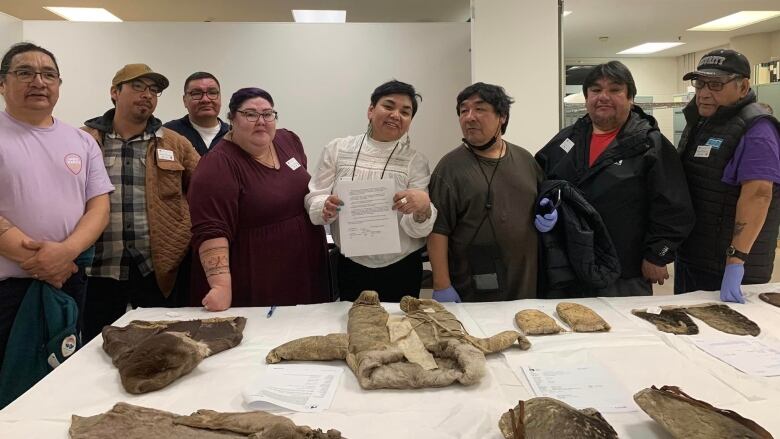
299	387
368	225
580	387
754	357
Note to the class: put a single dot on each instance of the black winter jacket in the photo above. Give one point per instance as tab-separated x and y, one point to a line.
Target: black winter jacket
637	185
577	255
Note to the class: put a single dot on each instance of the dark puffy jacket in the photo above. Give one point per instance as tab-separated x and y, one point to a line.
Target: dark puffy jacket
577	255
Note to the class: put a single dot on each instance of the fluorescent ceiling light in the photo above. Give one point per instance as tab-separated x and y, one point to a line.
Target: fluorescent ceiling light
319	16
648	48
565	13
83	14
736	21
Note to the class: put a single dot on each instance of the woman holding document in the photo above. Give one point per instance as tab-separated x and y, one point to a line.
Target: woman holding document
253	242
383	152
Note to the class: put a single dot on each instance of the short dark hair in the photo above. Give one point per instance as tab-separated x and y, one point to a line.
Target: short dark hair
494	95
245	94
395	87
613	70
199	75
19	48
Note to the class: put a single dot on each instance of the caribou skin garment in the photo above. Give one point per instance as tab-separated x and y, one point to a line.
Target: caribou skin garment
128	421
535	322
580	318
545	418
723	318
689	418
672	320
426	347
151	355
770	298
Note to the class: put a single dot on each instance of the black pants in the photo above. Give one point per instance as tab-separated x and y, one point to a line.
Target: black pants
392	282
107	298
12	291
688	278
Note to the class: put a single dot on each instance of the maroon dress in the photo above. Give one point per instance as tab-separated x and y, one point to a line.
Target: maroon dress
277	256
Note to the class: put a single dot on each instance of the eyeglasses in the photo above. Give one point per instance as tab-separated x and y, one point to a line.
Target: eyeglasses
251	116
141	87
198	94
699	84
24	75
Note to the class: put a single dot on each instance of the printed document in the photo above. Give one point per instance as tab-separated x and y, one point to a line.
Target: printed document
298	387
754	357
368	225
580	387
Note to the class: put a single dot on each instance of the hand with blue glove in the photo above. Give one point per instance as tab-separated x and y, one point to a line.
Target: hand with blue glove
545	223
730	290
446	295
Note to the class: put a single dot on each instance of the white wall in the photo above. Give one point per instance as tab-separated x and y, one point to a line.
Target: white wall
321	76
756	47
10	33
656	77
774	45
515	44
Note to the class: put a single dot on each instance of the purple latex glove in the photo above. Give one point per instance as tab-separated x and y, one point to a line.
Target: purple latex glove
446	295
545	223
730	290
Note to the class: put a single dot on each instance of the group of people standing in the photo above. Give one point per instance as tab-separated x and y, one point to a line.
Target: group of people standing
199	211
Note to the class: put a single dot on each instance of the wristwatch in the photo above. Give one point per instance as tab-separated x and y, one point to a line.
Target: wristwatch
734	253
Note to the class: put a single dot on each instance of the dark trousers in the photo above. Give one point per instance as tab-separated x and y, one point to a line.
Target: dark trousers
107	299
392	282
634	286
12	291
688	278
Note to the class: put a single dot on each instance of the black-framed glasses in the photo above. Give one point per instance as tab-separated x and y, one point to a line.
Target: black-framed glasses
253	116
141	87
198	94
699	83
24	75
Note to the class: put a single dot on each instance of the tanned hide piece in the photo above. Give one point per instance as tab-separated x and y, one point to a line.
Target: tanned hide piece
580	318
434	324
723	318
128	421
770	298
673	321
151	355
545	418
440	352
689	418
535	322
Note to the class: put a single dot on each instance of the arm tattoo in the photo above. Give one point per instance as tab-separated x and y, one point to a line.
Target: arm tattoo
739	227
5	225
215	261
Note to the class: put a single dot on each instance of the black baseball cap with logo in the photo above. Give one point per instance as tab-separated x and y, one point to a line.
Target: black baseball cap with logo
721	62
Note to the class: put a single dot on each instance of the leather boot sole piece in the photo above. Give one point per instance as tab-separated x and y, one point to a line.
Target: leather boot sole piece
770	298
673	321
723	318
689	418
535	322
581	318
544	418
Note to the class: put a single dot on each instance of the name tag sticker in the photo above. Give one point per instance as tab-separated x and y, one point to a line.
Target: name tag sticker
714	142
165	154
703	151
293	164
566	145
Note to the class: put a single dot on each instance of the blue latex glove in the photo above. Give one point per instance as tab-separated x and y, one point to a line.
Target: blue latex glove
730	290
545	223
446	295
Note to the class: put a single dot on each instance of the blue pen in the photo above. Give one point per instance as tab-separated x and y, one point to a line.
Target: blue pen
270	312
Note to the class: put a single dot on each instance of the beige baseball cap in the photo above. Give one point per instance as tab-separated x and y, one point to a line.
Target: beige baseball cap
135	71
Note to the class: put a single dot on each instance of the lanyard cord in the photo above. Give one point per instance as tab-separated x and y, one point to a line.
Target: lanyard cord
360	148
489	201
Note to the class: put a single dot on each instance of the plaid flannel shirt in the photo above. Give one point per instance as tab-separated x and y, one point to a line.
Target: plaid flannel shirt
126	239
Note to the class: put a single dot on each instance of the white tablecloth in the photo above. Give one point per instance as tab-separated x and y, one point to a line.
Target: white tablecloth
634	352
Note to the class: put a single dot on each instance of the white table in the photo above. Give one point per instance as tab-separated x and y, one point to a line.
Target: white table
633	351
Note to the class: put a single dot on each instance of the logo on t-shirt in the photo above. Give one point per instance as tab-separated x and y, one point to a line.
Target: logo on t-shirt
73	162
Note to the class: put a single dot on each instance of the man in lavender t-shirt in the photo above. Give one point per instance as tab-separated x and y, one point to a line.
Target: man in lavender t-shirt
54	199
731	154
